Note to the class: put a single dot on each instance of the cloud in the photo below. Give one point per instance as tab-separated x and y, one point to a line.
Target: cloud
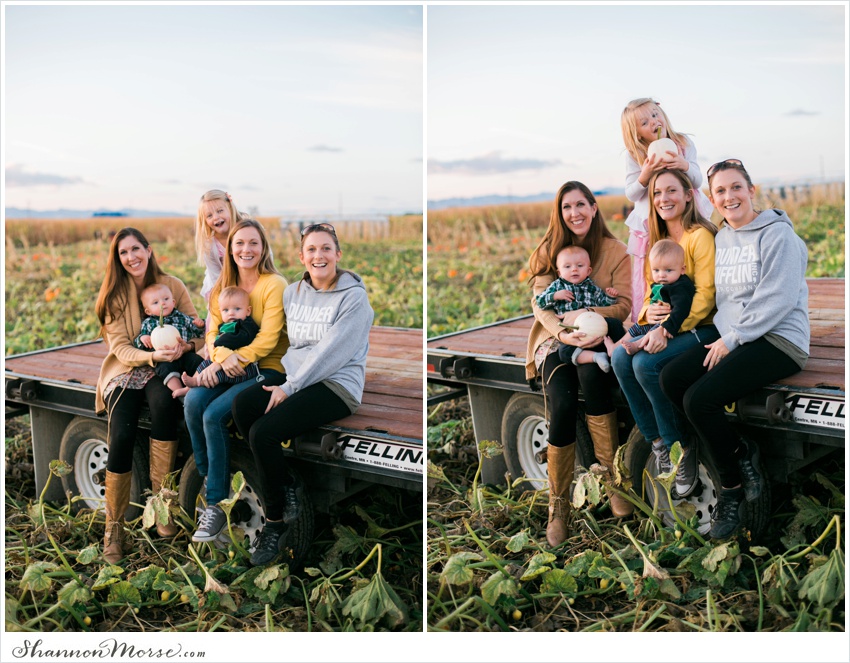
17	177
324	148
249	187
488	164
799	112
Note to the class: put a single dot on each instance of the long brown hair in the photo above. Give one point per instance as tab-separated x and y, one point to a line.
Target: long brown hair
229	270
558	235
114	295
691	218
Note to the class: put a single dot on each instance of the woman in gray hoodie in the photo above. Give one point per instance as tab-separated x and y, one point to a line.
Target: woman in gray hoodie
328	318
762	316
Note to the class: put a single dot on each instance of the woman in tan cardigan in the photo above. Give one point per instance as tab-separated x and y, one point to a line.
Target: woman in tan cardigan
576	219
127	379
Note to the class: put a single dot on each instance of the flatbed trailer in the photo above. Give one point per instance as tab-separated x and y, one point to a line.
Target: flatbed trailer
380	444
795	421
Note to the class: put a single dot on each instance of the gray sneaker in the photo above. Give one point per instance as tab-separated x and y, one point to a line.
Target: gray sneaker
687	474
210	524
662	456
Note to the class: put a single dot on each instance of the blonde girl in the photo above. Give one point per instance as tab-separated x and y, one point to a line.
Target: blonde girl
216	215
640	121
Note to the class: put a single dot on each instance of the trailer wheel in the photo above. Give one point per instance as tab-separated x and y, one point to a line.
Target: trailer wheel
525	436
83	447
191	498
639	459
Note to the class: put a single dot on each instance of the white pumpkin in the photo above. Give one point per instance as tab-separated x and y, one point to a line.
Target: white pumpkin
165	336
592	324
661	146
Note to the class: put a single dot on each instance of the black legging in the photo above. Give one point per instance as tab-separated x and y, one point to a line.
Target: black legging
124	406
701	394
304	410
561	382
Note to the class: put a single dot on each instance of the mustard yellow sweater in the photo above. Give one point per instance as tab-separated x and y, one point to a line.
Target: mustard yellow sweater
699	266
271	342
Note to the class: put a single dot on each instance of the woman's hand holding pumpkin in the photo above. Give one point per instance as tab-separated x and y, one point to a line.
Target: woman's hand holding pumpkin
578	339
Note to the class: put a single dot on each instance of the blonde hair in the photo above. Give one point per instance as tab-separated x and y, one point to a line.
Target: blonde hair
628	122
232	292
667	248
573	248
203	233
154	287
229	270
691	219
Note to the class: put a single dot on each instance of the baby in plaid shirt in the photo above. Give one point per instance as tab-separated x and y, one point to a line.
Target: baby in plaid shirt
158	299
574	290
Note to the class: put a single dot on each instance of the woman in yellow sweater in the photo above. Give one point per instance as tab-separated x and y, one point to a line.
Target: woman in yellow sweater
249	265
575	220
672	215
127	379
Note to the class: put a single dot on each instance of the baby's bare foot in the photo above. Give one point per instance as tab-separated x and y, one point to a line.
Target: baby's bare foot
190	380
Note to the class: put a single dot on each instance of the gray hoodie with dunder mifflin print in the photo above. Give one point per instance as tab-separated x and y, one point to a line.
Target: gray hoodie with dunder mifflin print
760	276
328	337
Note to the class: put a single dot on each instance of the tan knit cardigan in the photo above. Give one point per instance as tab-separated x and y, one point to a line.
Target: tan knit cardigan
613	270
121	331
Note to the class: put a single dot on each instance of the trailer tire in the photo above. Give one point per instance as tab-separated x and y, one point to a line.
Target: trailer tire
83	447
525	437
300	537
639	460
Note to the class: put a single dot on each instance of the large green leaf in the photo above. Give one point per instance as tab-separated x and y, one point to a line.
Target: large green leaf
578	565
107	576
558	581
498	585
538	564
375	602
88	554
146	577
73	592
124	592
824	583
517	542
456	571
34	579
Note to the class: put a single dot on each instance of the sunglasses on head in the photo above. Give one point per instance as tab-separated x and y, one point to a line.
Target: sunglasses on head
318	226
723	165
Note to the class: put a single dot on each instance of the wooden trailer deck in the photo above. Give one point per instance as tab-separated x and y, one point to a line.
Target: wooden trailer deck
392	400
506	341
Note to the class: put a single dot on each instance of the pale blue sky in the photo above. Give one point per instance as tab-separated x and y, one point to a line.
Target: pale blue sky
524	98
291	109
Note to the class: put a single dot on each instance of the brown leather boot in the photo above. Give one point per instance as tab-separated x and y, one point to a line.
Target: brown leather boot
561	467
162	455
603	432
117	501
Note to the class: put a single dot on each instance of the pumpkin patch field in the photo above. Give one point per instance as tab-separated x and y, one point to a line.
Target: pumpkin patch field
364	570
488	567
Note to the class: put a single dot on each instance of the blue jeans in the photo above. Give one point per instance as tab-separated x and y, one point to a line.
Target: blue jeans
207	413
638	374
